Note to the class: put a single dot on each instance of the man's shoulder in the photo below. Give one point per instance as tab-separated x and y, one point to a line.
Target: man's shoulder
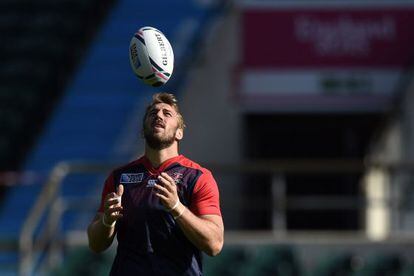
186	162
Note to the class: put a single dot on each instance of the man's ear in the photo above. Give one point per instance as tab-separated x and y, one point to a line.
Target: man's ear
179	134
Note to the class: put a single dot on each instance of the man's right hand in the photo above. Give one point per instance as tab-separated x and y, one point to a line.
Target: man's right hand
112	206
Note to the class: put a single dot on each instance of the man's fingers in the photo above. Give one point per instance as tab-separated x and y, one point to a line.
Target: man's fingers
113	217
163	197
169	178
120	190
113	206
115	209
113	201
113	212
110	195
113	198
167	184
161	189
116	216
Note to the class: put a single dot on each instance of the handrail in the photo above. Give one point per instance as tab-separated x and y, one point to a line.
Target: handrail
47	194
45	199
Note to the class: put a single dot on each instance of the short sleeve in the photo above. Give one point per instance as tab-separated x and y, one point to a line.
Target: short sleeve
205	199
109	187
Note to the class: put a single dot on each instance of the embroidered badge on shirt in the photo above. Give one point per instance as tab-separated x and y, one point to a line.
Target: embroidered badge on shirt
127	178
151	183
177	177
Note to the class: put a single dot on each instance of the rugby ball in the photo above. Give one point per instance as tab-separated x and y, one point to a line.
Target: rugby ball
151	56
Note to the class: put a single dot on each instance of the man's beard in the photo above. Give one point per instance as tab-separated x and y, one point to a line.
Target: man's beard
157	143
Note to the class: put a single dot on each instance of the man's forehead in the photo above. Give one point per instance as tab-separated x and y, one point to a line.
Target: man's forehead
160	106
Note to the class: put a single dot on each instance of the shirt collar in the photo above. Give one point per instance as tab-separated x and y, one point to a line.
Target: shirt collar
162	167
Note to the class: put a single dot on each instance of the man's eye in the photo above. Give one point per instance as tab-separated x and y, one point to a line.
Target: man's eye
168	114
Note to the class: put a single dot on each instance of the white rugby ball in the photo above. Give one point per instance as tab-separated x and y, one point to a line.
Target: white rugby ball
151	56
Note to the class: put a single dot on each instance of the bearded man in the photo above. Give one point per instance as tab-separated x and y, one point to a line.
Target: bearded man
163	207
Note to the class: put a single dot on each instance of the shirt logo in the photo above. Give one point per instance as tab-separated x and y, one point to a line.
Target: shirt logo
151	183
127	178
178	177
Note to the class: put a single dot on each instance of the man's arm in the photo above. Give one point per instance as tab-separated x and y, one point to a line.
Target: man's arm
100	237
205	232
101	231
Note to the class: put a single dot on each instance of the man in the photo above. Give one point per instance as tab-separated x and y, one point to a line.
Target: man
163	207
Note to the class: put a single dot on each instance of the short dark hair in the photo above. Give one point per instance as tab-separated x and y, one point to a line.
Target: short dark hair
169	99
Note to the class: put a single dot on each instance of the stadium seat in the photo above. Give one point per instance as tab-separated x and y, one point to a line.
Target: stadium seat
407	270
381	265
335	264
273	260
229	262
8	263
81	261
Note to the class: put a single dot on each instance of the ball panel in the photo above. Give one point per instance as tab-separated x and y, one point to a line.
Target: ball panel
159	50
139	58
133	56
140	37
170	54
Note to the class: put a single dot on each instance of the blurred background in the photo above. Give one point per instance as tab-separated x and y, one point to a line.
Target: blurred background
303	110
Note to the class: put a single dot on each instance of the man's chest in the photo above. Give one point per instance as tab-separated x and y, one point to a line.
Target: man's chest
139	186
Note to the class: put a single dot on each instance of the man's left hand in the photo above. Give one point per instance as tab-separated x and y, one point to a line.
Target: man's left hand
167	191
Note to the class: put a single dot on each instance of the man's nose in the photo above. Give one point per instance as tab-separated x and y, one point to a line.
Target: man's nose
159	114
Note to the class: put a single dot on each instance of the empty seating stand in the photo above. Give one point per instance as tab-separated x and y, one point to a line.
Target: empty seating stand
41	41
98	100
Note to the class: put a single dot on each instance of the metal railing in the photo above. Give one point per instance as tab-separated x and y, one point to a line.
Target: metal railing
48	202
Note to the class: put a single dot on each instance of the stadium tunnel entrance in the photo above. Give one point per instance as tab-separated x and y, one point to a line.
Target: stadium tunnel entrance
309	137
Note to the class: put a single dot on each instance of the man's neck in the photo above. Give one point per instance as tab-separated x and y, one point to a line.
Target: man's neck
157	157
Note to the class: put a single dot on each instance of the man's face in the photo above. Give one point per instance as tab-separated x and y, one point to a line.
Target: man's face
161	126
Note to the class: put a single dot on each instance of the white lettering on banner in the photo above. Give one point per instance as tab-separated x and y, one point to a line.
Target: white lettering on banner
344	36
